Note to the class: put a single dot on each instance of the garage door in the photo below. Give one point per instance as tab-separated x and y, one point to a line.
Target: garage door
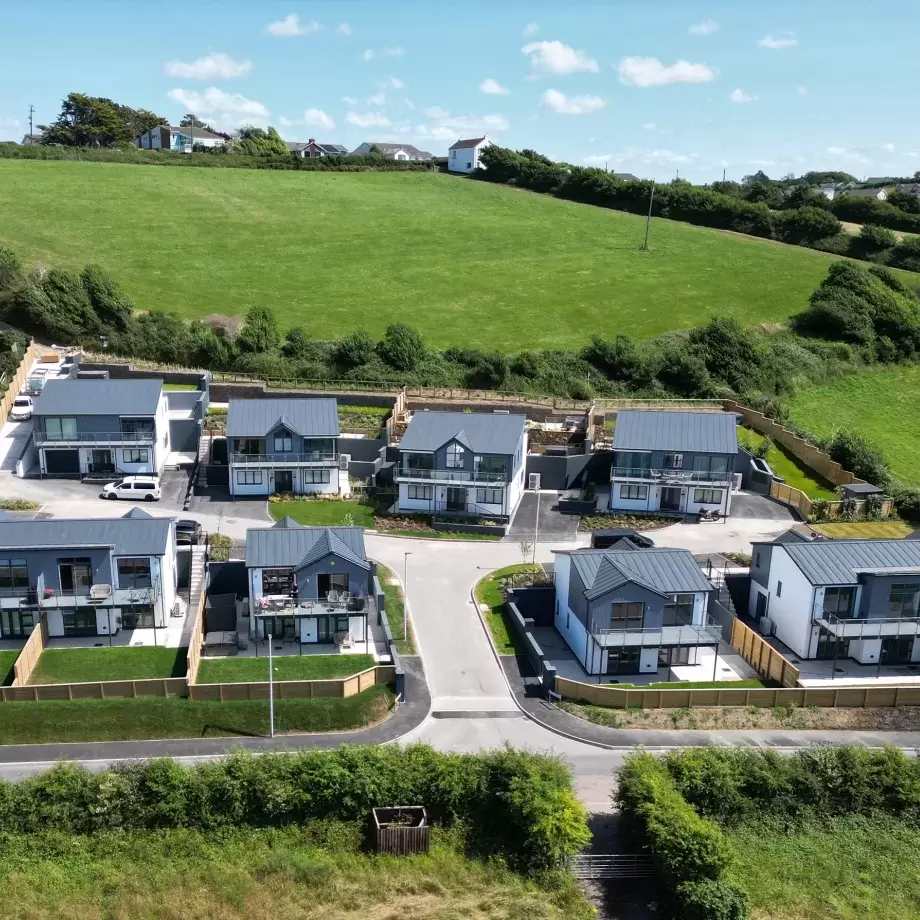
62	462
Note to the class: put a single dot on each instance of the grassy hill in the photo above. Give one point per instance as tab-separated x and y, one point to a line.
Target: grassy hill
465	262
882	404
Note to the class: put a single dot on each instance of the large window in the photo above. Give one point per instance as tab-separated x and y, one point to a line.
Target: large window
631	460
249	477
76	575
489	464
315	476
634	493
839	601
137	616
626	616
708	464
904	600
673	461
251	447
134	573
678	611
413	462
707	496
61	429
137	428
14	576
489	496
80	622
278	581
454	457
284	443
135	455
419	493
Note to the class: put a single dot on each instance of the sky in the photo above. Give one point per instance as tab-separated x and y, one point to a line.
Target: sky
651	87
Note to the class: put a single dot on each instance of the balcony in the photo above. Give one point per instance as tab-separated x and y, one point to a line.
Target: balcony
863	627
654	637
311	607
466	476
313	458
671	477
96	437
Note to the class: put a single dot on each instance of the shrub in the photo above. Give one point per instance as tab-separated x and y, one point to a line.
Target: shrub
854	453
259	332
820	508
711	900
402	347
355	349
907	504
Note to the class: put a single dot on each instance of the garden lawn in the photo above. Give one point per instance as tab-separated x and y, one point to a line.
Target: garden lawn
576	268
883	405
871	530
7	660
174	717
489	594
286	667
323	513
844	869
80	665
395	608
791	469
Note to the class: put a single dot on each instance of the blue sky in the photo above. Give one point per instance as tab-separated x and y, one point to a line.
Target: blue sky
644	86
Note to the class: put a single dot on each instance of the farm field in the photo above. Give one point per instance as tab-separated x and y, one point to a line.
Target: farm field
465	262
881	404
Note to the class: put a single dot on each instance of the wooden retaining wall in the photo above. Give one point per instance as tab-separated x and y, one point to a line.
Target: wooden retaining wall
96	690
19	378
294	689
762	657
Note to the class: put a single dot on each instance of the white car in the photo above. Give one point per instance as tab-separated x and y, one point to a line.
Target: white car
22	409
143	487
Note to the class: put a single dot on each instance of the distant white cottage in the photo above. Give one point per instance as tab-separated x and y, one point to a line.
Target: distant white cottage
464	155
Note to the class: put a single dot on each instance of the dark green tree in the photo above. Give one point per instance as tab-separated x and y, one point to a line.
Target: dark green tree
111	305
259	332
402	347
356	349
95	121
297	343
729	351
11	274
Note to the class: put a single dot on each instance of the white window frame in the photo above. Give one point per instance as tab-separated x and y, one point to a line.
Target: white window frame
707	501
419	493
677	461
315	477
640	496
135	451
455	454
287	444
249	477
488	496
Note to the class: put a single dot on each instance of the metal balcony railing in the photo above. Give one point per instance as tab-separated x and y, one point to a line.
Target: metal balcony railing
860	626
677	477
96	437
321	458
652	637
472	476
310	607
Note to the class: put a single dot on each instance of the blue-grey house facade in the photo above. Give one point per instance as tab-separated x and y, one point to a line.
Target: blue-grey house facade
828	599
673	462
462	464
86	577
284	445
633	611
101	428
312	585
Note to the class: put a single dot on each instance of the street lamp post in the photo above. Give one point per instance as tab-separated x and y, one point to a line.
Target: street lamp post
406	596
271	691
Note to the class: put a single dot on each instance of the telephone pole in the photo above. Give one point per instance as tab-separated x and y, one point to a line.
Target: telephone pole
31	112
648	219
723	175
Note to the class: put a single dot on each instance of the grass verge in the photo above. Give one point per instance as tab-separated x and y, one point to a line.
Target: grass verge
872	530
324	513
489	594
79	665
150	717
7	660
288	667
310	872
441	535
791	469
395	608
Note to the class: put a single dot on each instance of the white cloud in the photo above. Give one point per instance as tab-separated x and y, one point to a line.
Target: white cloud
650	126
408	103
376	99
217	66
493	87
367	120
318	119
531	29
762	163
708	27
286	122
9	122
644	155
229	108
598	159
571	105
350	100
291	27
643	71
849	156
343	29
368	55
802	90
556	58
888	147
396	83
444	126
776	44
436	111
740	96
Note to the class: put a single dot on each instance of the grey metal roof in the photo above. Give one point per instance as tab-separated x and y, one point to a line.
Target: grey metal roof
480	432
99	397
310	417
660	569
294	546
696	432
138	514
127	536
837	562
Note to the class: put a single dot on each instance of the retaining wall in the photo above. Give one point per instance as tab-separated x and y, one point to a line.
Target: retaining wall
294	689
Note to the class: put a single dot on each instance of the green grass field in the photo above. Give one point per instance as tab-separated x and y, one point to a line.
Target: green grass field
395	609
78	665
7	660
324	514
465	262
791	469
287	667
872	530
883	405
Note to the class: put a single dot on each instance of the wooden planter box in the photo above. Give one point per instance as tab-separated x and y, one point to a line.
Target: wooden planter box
401	831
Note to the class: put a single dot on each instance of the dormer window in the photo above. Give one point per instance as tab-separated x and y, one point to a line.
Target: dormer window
284	443
455	457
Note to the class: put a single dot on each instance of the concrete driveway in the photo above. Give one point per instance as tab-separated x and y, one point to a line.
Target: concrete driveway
553	525
752	505
13	438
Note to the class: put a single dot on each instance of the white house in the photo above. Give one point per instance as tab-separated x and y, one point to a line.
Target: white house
180	139
402	152
464	155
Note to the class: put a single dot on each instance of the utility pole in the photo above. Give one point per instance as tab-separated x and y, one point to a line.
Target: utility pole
271	692
406	595
648	219
31	112
723	175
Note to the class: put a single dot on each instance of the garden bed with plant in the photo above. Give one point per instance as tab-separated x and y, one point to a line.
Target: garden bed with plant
367	417
18	504
827	833
625	521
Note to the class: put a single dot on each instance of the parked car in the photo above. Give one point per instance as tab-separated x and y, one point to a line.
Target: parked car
188	531
144	487
604	539
22	409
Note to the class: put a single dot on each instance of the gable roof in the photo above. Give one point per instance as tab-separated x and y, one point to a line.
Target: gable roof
296	546
99	397
839	562
126	536
195	133
465	144
865	192
697	432
137	514
333	148
480	432
626	177
310	417
659	569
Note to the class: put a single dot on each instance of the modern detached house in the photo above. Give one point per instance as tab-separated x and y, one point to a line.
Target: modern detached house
462	463
283	445
312	585
87	577
179	139
632	611
101	428
673	462
464	155
836	599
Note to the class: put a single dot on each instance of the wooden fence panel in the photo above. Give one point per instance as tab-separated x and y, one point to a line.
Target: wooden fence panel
31	652
19	378
762	657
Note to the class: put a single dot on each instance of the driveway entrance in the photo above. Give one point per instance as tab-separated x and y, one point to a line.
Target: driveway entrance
554	527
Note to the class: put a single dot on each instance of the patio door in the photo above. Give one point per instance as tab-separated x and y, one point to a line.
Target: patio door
670	499
456	499
284	480
326	582
101	461
897	650
16	624
80	622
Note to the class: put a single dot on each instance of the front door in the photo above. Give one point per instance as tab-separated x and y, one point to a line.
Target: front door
456	499
101	461
670	499
16	624
623	661
760	609
897	650
284	481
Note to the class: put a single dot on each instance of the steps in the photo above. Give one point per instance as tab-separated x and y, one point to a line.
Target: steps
197	586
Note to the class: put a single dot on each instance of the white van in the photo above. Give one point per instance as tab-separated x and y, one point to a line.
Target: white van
135	487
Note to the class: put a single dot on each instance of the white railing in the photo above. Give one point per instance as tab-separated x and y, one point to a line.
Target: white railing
322	458
671	476
710	634
473	476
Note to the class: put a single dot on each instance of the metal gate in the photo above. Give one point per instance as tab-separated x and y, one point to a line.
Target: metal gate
611	865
